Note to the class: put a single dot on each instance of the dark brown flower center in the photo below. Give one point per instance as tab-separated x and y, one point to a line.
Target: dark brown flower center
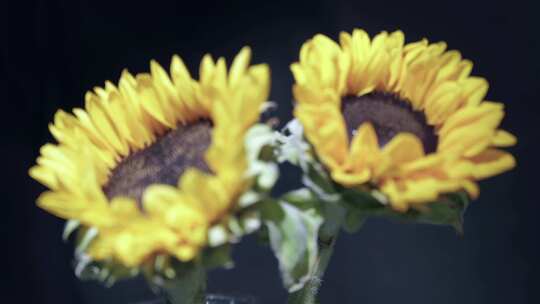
163	162
389	115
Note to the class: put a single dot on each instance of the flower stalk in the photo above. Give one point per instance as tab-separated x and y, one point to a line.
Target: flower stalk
328	234
308	293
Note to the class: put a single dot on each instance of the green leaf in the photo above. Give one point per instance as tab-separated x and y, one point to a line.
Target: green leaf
303	198
187	286
217	257
354	220
293	237
448	210
318	181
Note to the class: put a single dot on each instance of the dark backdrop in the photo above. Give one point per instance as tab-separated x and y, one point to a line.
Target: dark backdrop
53	51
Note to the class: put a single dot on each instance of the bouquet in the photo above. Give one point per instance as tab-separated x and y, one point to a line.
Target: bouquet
161	174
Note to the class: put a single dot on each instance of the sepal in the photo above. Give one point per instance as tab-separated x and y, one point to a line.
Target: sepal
107	272
70	227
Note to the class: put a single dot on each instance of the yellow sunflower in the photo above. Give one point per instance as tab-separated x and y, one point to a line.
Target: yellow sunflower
155	161
407	119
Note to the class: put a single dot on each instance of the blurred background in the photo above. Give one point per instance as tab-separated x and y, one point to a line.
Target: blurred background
54	51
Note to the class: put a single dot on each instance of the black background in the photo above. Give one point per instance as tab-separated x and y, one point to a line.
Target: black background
53	51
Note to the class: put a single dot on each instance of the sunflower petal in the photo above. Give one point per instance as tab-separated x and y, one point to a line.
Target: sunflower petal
404	148
492	162
503	138
239	66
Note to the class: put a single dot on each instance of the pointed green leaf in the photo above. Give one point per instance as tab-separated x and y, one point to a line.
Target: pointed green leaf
293	238
448	210
187	286
217	257
354	220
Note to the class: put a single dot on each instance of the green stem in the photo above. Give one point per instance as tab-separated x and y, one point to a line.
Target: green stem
189	285
308	293
327	238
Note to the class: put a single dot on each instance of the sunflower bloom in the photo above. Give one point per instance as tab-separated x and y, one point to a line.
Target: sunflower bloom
406	119
153	162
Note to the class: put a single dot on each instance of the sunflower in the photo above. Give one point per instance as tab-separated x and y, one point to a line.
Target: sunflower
153	162
406	119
